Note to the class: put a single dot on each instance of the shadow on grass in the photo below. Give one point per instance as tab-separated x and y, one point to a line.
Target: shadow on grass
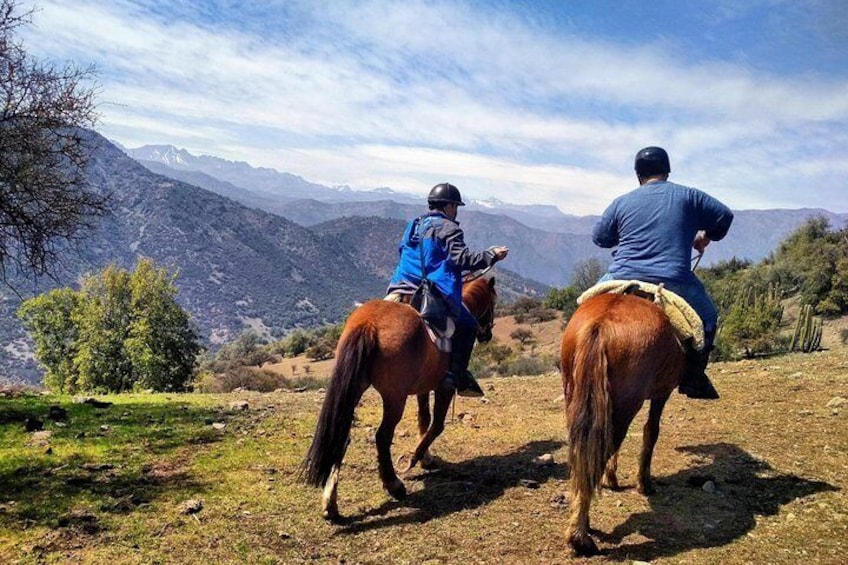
684	517
455	487
109	459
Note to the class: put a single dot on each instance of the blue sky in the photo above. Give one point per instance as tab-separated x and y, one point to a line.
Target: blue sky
528	102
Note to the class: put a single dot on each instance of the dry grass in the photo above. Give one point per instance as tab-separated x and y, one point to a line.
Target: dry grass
777	453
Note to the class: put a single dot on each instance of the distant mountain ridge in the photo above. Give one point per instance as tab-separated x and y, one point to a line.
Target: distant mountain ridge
545	243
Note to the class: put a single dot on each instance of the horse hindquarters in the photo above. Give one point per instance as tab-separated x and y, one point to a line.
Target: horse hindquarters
349	380
590	427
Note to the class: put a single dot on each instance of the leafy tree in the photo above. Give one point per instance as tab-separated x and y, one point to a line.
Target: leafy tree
813	262
563	299
44	196
49	317
295	344
103	322
246	350
120	331
320	351
162	344
752	323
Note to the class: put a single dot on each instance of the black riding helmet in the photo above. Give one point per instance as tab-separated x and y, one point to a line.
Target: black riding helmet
652	161
445	193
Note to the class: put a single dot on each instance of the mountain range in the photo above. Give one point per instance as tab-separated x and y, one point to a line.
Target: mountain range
256	248
544	242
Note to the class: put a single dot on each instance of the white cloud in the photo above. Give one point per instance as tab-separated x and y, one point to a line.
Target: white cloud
378	93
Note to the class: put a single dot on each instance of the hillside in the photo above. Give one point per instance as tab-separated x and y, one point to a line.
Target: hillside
239	267
200	479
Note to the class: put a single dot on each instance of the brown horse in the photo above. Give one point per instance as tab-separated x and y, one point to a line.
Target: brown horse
617	351
385	345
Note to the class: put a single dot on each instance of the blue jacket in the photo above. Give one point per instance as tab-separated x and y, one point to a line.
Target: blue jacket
446	258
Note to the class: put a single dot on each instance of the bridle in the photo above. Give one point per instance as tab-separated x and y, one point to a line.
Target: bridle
486	323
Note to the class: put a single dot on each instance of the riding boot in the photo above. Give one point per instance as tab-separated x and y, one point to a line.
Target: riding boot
695	383
463	380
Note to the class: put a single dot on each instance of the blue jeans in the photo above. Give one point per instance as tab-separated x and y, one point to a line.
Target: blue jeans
466	319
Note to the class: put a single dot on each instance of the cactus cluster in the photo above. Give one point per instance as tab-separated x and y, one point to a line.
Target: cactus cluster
808	331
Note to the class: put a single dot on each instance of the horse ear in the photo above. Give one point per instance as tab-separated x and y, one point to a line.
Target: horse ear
492	283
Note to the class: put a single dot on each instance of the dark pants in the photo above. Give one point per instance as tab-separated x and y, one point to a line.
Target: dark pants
462	343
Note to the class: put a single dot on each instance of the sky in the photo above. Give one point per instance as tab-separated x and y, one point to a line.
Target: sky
536	102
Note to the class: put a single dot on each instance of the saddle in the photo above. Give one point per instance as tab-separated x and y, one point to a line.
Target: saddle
440	338
686	322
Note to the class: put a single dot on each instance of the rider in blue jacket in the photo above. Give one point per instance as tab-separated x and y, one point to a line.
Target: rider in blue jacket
446	258
654	228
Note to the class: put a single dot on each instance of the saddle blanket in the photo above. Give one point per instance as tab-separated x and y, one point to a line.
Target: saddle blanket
686	322
441	339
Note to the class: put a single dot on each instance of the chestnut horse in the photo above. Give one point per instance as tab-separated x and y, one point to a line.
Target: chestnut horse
618	350
385	345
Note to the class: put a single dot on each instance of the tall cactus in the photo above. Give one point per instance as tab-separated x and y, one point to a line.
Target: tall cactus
808	331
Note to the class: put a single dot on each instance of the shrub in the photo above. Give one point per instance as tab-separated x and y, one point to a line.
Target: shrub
248	378
522	335
529	366
320	351
752	324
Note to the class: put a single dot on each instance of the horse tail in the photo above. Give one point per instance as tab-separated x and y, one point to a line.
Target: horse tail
589	410
348	382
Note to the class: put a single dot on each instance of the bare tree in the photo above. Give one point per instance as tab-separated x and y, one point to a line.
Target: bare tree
587	273
45	200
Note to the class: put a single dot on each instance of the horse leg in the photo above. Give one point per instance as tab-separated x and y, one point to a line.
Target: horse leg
577	531
329	501
392	413
440	412
649	439
424	420
610	477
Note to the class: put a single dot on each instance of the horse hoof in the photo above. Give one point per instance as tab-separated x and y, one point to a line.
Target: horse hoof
583	546
332	515
397	490
611	485
646	489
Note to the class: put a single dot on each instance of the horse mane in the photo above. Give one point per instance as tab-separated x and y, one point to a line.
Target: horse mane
478	294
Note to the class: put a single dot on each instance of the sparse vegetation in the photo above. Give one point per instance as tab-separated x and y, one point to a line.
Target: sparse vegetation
811	264
114	485
522	335
240	364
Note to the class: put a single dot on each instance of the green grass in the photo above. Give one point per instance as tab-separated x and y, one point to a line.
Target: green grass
112	496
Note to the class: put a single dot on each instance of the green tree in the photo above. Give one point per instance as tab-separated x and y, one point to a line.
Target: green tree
162	344
103	322
752	323
563	299
121	331
50	319
812	262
